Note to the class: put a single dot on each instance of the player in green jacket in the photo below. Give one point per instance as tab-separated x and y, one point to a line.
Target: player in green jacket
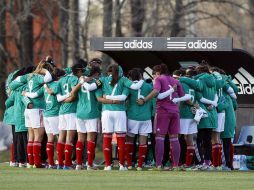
221	106
205	86
19	103
9	120
229	90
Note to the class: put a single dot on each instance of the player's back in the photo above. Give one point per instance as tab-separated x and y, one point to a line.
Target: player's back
135	111
162	84
65	86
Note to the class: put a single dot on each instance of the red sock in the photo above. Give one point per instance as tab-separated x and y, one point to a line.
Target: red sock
79	152
189	155
142	150
12	159
50	153
90	152
107	148
120	143
129	147
220	155
37	153
30	153
67	154
214	155
60	153
231	154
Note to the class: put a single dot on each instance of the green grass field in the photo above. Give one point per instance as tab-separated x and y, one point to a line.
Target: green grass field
36	179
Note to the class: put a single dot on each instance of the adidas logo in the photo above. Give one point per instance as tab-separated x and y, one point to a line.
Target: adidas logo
245	82
199	44
134	44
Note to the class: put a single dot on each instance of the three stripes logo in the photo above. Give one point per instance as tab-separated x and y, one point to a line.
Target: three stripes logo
245	82
176	45
134	44
113	45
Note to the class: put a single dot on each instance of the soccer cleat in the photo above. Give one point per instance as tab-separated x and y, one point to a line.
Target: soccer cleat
211	168
78	167
175	169
95	165
122	168
167	166
187	168
139	169
22	165
158	168
29	166
51	167
225	168
73	162
218	168
129	168
39	166
90	168
14	164
107	168
196	167
59	167
67	168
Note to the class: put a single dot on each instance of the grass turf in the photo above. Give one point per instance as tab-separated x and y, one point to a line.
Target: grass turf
22	178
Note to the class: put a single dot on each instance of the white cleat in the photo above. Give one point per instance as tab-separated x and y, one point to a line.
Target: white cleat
14	164
139	169
107	168
29	166
78	167
22	165
122	168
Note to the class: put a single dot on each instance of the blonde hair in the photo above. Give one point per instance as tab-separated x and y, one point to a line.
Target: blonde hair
41	65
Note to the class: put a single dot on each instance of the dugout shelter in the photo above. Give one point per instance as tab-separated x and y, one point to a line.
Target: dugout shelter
176	52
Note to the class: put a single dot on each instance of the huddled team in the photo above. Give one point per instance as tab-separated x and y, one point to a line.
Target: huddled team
196	102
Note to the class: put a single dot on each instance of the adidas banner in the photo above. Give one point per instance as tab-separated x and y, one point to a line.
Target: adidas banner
161	44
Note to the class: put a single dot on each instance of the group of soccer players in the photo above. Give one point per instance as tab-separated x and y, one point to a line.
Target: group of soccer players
196	103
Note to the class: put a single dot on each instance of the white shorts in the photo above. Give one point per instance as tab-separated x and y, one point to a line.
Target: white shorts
33	118
67	122
51	125
113	121
221	122
188	126
139	127
87	126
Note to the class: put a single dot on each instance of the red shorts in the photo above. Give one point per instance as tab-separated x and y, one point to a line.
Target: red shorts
167	123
